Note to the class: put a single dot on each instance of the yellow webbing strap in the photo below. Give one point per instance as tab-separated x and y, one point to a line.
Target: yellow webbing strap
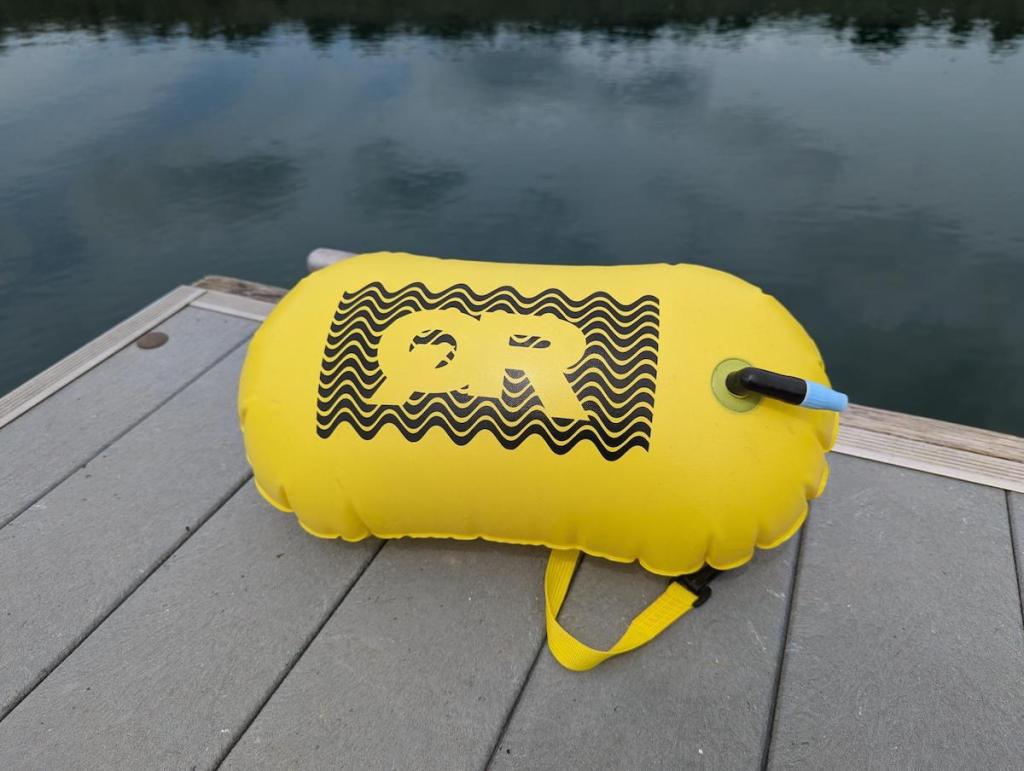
651	621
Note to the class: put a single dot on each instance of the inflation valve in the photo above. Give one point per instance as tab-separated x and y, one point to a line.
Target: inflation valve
792	390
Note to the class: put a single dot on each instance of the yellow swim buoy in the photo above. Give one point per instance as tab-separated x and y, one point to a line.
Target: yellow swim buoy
611	410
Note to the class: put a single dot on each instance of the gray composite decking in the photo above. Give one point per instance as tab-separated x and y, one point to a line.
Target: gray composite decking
155	613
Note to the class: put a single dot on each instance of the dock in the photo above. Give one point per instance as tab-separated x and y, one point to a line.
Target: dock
156	613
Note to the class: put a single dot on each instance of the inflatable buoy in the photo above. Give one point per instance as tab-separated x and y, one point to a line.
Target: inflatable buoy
629	412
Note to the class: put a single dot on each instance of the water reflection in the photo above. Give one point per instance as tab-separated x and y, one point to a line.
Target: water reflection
876	25
386	178
865	169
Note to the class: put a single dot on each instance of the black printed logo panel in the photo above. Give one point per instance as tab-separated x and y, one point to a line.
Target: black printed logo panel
567	370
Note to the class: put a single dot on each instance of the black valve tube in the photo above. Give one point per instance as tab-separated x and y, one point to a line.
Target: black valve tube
743	382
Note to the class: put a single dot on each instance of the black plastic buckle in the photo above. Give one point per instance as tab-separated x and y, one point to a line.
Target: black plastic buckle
697	583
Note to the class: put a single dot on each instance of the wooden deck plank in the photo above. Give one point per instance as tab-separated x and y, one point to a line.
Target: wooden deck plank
234	305
418	668
242	288
931	431
905	644
936	459
172	677
53	378
699	695
43	446
76	553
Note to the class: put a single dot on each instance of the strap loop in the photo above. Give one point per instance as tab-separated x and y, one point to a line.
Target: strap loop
649	623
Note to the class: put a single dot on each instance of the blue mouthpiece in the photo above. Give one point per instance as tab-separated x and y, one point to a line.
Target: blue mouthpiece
819	397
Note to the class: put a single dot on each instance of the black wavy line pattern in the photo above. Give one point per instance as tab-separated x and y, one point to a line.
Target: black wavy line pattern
614	379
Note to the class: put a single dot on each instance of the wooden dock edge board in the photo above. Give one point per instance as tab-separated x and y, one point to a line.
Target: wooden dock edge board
930	431
55	377
933	458
241	287
233	305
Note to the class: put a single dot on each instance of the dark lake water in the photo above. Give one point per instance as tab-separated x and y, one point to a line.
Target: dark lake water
865	167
